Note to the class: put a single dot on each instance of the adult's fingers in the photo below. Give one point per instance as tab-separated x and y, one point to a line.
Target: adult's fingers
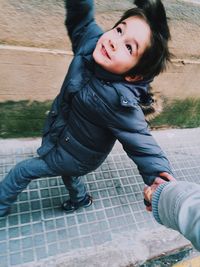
149	208
147	193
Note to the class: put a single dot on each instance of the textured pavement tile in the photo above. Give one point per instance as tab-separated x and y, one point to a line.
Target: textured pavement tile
37	228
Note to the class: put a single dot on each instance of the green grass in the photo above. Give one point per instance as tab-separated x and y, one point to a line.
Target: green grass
179	114
26	119
22	119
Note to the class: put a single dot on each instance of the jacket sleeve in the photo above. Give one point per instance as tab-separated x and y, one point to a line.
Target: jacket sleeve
176	205
145	152
140	145
80	16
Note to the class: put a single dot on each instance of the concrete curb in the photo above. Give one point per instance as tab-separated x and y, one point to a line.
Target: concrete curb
195	262
132	248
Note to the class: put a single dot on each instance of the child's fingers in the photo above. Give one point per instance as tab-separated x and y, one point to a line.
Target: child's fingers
167	176
163	177
157	182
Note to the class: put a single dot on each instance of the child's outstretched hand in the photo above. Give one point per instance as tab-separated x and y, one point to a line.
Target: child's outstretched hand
149	190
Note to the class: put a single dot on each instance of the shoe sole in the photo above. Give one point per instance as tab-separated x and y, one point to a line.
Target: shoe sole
85	206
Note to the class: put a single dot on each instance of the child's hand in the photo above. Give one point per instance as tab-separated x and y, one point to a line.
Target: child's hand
149	190
166	176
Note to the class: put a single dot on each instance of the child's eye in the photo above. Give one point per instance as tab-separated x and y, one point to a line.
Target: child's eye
129	48
119	30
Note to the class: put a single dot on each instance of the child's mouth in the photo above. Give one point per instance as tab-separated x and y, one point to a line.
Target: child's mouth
104	52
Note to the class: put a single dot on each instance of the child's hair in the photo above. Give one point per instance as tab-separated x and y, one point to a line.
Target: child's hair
156	56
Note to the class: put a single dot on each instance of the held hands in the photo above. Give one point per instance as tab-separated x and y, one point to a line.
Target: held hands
149	190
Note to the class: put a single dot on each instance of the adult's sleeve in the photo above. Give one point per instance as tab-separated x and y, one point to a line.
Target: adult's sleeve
176	205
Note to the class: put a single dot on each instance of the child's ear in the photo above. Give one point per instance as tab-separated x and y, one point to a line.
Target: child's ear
133	78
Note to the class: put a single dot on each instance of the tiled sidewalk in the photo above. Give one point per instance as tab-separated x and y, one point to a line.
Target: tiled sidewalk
38	230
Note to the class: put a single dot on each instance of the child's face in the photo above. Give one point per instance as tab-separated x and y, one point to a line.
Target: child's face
120	49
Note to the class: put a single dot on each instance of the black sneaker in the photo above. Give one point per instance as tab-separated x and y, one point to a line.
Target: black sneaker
4	212
68	206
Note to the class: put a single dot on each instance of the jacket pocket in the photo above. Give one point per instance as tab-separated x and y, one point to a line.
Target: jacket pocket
83	154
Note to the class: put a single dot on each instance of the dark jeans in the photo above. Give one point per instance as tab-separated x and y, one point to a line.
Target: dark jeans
24	172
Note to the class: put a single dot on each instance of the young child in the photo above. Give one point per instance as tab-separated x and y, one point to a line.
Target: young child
99	102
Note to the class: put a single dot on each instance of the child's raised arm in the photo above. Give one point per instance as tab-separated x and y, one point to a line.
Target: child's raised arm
79	14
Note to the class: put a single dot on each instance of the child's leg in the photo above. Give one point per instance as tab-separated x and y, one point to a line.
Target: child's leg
77	192
18	179
76	188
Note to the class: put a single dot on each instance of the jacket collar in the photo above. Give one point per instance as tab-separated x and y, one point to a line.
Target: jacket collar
129	92
99	72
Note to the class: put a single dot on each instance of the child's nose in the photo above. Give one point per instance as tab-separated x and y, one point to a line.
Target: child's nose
113	44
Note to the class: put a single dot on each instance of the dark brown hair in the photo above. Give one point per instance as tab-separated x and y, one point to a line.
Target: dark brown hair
156	56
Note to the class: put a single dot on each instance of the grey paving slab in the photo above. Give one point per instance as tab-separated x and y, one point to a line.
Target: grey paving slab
38	233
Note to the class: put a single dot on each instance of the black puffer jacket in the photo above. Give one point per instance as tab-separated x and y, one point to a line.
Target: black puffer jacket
94	108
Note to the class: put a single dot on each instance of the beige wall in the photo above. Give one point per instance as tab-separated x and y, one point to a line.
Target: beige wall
181	80
40	23
29	72
34	74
